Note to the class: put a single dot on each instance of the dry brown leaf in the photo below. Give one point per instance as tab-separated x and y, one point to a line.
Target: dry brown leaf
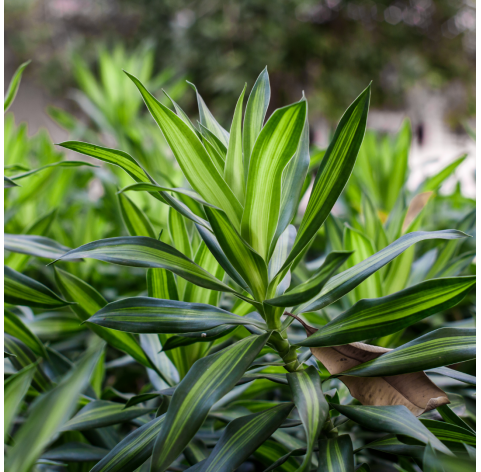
415	207
415	391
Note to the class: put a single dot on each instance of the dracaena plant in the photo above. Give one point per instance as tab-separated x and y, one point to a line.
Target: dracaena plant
218	315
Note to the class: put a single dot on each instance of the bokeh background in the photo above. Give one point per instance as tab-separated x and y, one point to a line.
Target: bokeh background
420	55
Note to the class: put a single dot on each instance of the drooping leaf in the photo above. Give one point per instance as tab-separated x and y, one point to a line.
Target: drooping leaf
234	165
308	289
247	262
390	314
256	109
13	86
344	282
22	290
312	407
334	171
75	452
15	388
133	450
336	454
243	436
153	315
274	148
391	419
100	413
54	164
209	379
88	302
192	157
48	415
33	245
444	346
8	183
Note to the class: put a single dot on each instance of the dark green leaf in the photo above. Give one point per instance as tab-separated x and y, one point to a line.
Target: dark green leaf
336	454
33	245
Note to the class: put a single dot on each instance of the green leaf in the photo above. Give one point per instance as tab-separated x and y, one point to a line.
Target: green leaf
75	452
450	417
234	165
134	218
209	379
312	406
293	180
308	289
134	169
243	436
392	445
395	419
54	164
449	432
13	86
344	282
181	113
33	245
139	251
457	265
208	120
334	171
455	374
207	336
268	454
336	454
133	450
390	314
7	183
21	357
152	315
444	346
150	187
100	413
431	462
14	326
192	157
435	181
247	262
256	109
22	290
89	302
218	146
274	148
15	388
48	415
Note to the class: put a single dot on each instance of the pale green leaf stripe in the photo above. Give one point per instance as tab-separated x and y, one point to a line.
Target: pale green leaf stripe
234	165
344	282
444	346
34	245
134	169
21	357
54	164
243	436
334	171
89	301
181	113
209	379
101	413
248	263
395	419
256	109
149	187
133	450
13	86
139	251
308	289
449	432
22	290
15	388
336	454
7	183
48	414
217	159
312	407
14	326
161	284
219	147
153	315
208	120
390	314
135	220
274	148
293	180
192	157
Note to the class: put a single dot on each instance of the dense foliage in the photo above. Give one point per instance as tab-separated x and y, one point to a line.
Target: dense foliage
173	335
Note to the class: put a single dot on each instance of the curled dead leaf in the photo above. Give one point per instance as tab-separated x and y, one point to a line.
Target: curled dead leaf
415	391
